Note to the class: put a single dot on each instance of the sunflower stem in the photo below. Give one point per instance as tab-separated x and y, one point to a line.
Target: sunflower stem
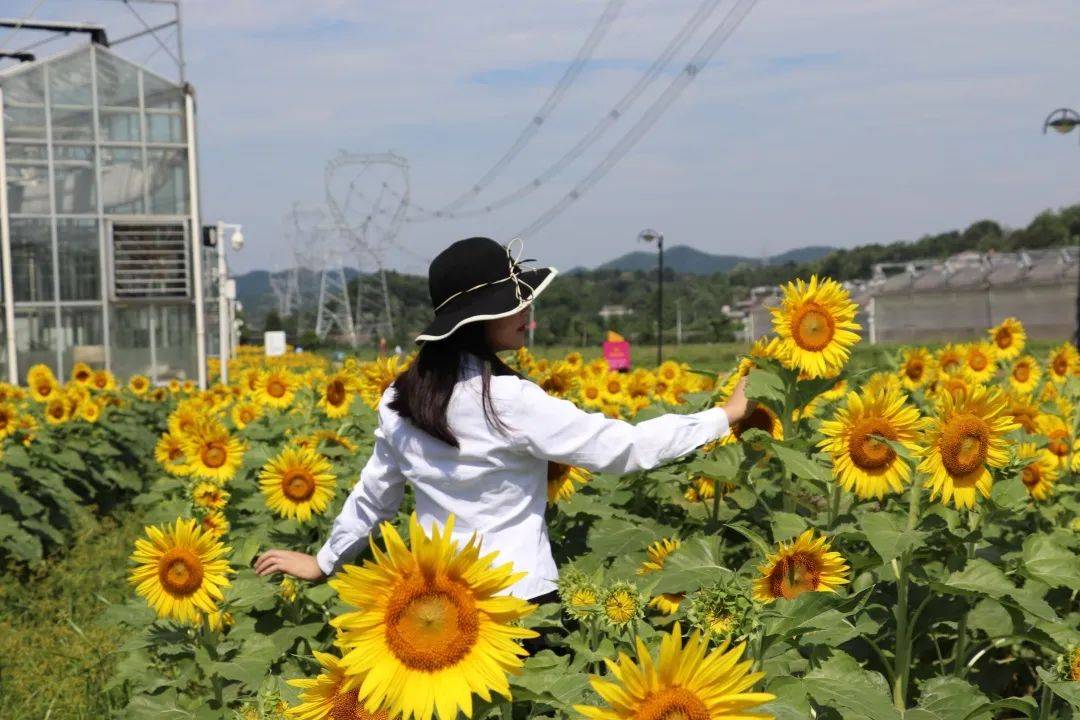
904	622
834	507
714	521
1046	702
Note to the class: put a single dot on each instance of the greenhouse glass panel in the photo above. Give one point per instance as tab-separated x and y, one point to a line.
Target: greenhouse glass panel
69	124
82	338
118	82
31	260
153	340
26	87
120	126
27	152
161	95
164	128
78	247
73	175
168	182
69	81
28	188
35	338
122	180
23	123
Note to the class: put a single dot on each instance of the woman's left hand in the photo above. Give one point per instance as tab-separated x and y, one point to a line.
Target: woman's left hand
299	565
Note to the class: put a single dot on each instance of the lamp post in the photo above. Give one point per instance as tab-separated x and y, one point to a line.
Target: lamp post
650	235
1064	121
224	316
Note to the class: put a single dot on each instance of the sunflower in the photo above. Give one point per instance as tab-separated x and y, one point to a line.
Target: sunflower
703	487
882	382
1062	362
591	392
89	411
432	625
815	323
245	413
81	373
916	367
1074	664
658	553
1024	411
690	681
288	589
169	453
1059	440
614	387
951	358
217	620
804	565
1008	338
213	454
564	480
209	495
42	383
376	376
180	570
980	361
337	395
959	445
1024	374
139	384
759	418
667	603
1040	470
57	411
722	610
669	372
331	695
186	418
276	388
298	483
579	594
103	380
622	604
559	379
861	462
9	417
215	523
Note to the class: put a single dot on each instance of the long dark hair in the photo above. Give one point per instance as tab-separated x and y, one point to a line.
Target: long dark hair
422	392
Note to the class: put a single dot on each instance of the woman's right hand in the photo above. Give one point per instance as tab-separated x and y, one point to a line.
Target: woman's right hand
298	564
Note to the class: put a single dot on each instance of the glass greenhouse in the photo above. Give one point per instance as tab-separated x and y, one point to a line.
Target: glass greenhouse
100	262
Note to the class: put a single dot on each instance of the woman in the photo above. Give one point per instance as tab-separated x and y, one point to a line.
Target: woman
474	438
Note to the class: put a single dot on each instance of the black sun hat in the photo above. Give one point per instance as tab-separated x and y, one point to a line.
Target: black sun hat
478	279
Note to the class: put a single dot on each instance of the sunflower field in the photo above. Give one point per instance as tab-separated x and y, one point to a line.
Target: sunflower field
895	540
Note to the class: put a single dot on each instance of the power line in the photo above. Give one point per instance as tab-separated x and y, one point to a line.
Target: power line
697	63
606	122
10	34
611	10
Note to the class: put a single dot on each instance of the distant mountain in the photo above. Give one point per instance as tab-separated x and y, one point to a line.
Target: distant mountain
684	259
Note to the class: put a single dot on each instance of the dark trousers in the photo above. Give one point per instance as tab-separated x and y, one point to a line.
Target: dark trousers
543	641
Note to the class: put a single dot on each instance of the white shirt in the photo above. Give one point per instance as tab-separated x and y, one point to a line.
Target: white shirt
495	482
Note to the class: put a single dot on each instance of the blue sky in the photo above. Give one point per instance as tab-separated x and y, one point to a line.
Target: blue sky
834	122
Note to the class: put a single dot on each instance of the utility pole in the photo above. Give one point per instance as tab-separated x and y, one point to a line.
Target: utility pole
650	235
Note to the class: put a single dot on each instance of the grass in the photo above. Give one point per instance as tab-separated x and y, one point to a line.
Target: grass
55	657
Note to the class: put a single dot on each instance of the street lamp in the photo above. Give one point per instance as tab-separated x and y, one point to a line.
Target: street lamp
225	324
650	235
1063	121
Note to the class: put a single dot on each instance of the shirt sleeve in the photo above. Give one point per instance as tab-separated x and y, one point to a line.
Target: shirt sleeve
553	429
375	499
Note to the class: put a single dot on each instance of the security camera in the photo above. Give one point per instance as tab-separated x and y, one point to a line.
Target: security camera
237	240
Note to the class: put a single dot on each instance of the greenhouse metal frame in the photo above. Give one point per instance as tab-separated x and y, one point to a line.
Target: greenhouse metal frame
102	260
